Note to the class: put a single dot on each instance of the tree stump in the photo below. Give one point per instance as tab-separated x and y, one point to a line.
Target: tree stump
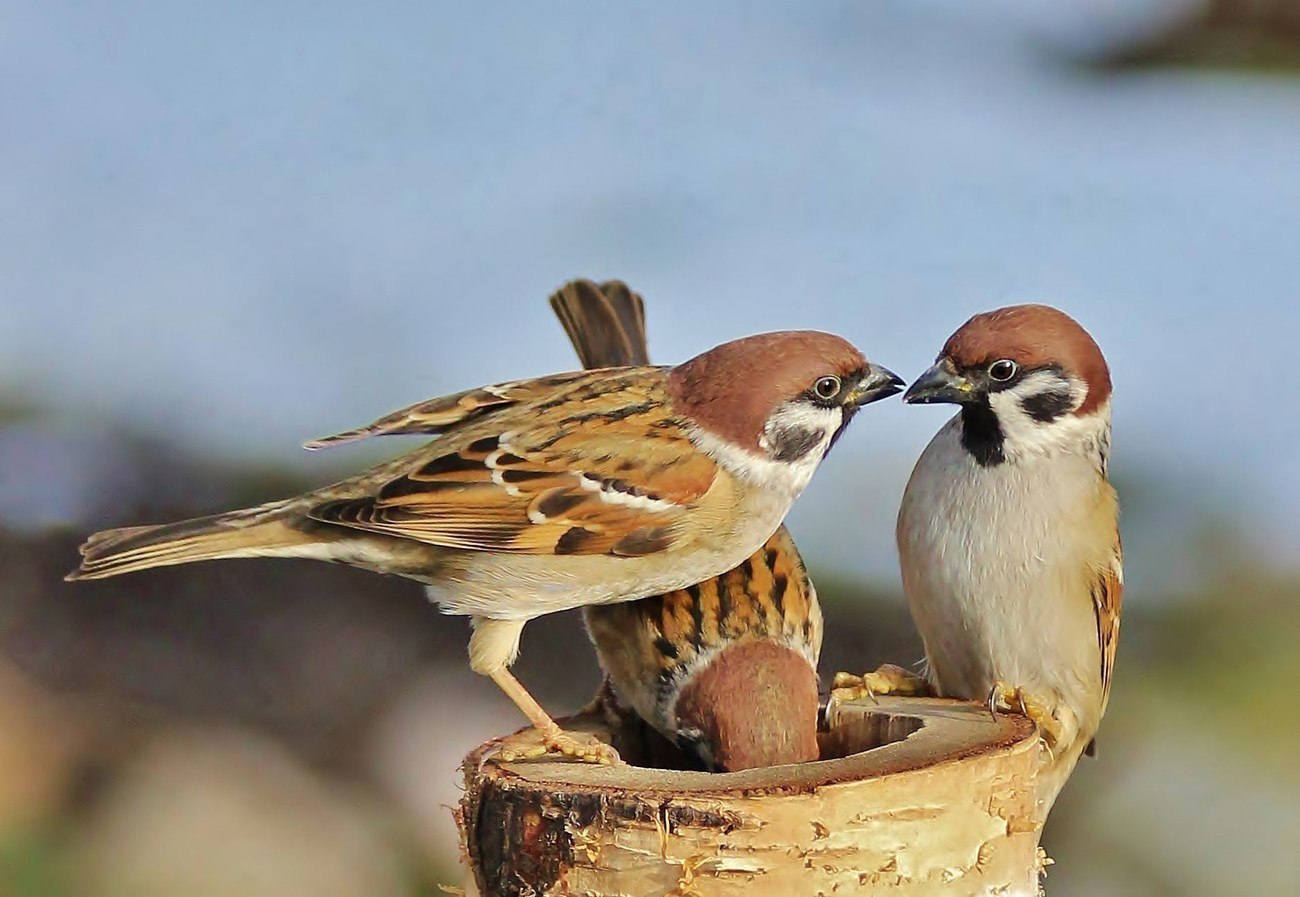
920	796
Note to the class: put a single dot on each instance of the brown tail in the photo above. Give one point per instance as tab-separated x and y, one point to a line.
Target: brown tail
605	322
254	532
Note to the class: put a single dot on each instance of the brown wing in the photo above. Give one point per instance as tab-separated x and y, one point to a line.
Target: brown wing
591	464
444	414
1107	599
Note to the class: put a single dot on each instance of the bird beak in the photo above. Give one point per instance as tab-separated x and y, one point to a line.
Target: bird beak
940	384
878	383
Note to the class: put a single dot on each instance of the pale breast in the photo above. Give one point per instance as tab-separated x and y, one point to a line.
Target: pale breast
991	566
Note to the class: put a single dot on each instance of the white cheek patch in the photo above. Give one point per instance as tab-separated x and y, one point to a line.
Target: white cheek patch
760	465
1040	382
1022	432
797	429
756	466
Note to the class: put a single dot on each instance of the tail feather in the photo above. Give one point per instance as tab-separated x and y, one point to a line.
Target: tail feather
249	533
605	322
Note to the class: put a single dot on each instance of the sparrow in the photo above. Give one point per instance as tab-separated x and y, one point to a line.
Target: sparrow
1008	534
680	660
547	494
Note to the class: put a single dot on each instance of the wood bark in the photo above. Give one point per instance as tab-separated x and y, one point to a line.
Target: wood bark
919	796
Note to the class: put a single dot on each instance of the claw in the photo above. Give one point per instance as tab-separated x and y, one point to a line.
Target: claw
575	746
887	680
1006	697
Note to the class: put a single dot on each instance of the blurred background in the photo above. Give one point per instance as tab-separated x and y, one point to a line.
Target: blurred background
226	228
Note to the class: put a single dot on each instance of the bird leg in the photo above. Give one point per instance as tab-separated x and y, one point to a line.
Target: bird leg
493	646
551	739
1015	699
889	679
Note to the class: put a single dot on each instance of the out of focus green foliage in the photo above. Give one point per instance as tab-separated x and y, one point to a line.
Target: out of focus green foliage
32	863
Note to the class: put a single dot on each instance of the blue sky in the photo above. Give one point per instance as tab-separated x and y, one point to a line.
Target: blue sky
245	224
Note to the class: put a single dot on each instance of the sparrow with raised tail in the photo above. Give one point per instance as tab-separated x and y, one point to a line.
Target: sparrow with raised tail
547	494
725	668
1008	532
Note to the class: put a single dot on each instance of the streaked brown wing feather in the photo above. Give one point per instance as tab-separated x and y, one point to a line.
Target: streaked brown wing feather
1108	598
446	413
612	475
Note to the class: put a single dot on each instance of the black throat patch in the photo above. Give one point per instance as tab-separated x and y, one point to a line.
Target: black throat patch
981	435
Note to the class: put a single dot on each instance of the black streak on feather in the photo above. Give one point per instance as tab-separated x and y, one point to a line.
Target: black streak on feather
573	540
616	414
523	476
558	502
452	463
697	616
646	540
485	445
666	648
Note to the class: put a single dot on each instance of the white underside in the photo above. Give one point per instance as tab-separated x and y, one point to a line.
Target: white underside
995	566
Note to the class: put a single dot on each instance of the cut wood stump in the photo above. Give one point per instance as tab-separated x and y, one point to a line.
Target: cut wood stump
919	796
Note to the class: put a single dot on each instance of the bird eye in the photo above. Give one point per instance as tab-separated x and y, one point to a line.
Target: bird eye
1003	370
827	387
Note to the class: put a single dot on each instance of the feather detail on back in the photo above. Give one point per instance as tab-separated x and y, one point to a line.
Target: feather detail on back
511	479
436	416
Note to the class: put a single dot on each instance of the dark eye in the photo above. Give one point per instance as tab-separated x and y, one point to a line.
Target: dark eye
827	387
1003	370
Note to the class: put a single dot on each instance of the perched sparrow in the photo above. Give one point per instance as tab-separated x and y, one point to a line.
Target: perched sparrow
1008	532
683	660
548	494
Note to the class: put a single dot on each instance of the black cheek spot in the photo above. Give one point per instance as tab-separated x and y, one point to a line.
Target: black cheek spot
1046	407
793	443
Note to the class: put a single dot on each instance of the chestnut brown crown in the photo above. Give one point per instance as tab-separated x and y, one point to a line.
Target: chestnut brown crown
734	388
1033	336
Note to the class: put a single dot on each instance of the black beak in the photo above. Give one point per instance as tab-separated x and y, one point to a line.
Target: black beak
878	383
941	384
